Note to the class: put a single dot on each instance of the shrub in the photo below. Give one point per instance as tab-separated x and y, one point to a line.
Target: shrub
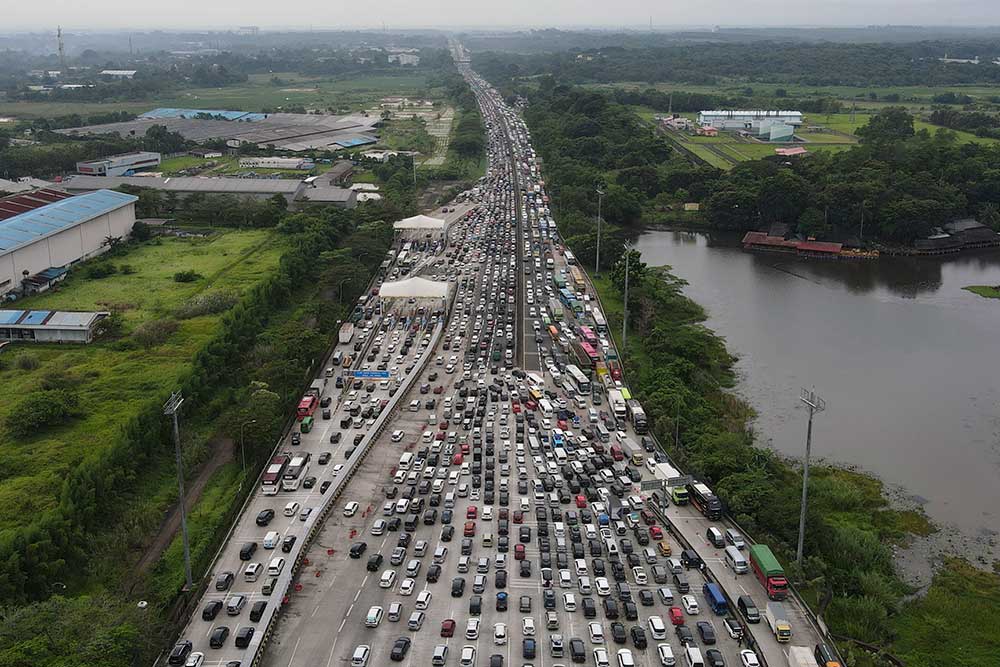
111	327
41	409
126	269
207	303
101	270
27	362
188	276
149	334
141	231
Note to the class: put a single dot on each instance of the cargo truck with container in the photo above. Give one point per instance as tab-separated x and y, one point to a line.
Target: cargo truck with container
777	620
617	403
633	451
678	492
768	571
801	656
346	333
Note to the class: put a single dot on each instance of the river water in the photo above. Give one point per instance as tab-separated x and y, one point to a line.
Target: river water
906	360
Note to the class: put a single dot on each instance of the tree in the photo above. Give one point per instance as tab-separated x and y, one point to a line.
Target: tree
812	223
141	231
636	270
889	125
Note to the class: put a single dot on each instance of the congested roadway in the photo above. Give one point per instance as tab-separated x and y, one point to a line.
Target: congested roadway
463	537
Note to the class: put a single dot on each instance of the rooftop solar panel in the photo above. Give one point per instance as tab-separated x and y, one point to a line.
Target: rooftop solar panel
10	316
36	317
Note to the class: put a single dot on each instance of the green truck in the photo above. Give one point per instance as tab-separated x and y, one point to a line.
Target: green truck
768	571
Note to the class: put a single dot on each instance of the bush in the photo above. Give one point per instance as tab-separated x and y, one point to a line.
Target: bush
111	327
126	269
150	334
27	362
41	409
101	270
188	276
141	231
208	303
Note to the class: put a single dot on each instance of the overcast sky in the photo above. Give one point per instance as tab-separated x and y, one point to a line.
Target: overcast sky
167	14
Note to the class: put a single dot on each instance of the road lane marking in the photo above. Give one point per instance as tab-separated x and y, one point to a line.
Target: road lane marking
292	659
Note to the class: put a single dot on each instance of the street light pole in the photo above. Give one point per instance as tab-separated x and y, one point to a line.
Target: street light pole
628	248
600	197
243	454
815	404
170	408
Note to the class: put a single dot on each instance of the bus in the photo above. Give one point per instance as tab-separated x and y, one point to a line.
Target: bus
408	246
570	257
591	353
566	297
307	406
579	380
588	335
271	479
559	280
600	323
716	600
306	425
705	501
296	471
577	279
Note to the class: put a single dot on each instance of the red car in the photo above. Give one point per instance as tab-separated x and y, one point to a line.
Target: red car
518	552
470	529
442	425
472	512
676	616
562	424
518	516
465	448
655	532
647	517
439	389
447	628
440	436
516	408
581	501
457	460
531	405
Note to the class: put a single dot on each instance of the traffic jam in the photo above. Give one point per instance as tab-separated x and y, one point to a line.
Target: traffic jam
505	520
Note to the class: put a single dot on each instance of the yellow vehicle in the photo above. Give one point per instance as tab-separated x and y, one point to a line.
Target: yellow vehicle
664	548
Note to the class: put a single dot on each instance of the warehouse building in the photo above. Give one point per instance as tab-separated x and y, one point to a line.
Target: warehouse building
120	165
276	163
741	119
43	232
48	326
252	188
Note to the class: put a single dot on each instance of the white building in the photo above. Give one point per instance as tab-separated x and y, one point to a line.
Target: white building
276	163
118	73
45	239
730	119
119	165
48	326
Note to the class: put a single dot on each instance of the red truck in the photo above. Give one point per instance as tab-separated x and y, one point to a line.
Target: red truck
616	370
768	571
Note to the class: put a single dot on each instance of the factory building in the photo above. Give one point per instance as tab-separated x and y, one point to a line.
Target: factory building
43	232
741	119
48	326
276	163
119	165
252	188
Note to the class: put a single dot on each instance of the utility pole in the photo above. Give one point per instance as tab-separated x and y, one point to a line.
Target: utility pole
243	454
600	197
628	249
861	234
815	404
170	408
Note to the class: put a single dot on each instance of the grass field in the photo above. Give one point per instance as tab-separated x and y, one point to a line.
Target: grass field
984	291
113	380
291	89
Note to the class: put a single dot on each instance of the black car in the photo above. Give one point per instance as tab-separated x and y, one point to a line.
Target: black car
357	549
264	517
324	486
646	598
247	550
577	651
399	649
496	660
374	562
684	634
244	635
211	610
713	658
334	439
218	637
639	637
525	568
707	632
433	573
631	613
179	653
224	580
501	579
457	587
324	458
288	543
447	532
610	608
309	482
257	610
589	608
618	633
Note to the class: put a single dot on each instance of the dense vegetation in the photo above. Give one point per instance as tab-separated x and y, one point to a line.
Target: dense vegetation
981	123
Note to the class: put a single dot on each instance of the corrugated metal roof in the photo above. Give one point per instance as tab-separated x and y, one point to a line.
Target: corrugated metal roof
66	319
10	316
30	226
190	184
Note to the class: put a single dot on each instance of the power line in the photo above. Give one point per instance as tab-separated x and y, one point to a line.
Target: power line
170	408
815	405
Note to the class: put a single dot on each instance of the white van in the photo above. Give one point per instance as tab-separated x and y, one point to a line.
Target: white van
402	505
414	405
449	499
735	560
593	416
252	572
611	546
272	539
693	657
651	465
276	566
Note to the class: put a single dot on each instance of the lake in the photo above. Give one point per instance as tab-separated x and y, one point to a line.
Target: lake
907	361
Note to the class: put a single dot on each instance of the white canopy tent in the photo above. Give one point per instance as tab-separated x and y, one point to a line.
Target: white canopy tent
414	288
420	225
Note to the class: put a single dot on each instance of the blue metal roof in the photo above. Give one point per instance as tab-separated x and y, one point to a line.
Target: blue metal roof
36	317
25	228
10	316
225	114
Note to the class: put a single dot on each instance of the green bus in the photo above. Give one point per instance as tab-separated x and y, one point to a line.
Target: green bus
307	424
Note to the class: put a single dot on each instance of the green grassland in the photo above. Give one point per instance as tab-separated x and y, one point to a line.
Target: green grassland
112	379
985	291
344	94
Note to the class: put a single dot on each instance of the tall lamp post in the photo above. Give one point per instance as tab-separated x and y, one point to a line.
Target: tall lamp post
628	248
815	404
597	264
171	408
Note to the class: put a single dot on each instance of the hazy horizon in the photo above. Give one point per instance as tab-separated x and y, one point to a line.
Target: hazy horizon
112	15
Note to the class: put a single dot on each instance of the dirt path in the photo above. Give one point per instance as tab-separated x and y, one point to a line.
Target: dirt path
222	453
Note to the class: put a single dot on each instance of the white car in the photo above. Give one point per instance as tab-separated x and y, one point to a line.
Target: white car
596	633
337	468
397	435
196	659
387	579
468	656
603	587
666	655
528	627
351	508
601	657
640	575
291	509
472	629
625	658
500	634
749	658
378	528
690	604
423	600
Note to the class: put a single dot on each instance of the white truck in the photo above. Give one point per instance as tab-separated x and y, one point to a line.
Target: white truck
617	402
346	332
632	449
777	620
800	656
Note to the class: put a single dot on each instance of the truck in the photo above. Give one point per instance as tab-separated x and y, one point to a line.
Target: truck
346	332
633	450
309	401
617	403
667	472
616	370
801	656
777	620
637	416
768	571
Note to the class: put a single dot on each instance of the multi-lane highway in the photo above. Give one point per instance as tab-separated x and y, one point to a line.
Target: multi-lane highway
486	513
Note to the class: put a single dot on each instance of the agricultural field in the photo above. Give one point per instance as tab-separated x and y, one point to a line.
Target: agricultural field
113	379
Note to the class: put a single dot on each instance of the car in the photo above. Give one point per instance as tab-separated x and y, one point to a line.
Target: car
713	658
448	627
400	649
500	634
264	517
625	658
218	637
690	604
707	631
325	486
618	633
224	580
684	634
351	508
324	458
196	659
528	627
733	627
358	549
468	658
596	633
457	587
407	586
676	615
378	527
387	579
472	628
749	659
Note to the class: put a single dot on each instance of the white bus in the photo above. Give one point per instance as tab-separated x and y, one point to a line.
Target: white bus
580	381
271	479
297	470
546	407
600	323
570	258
